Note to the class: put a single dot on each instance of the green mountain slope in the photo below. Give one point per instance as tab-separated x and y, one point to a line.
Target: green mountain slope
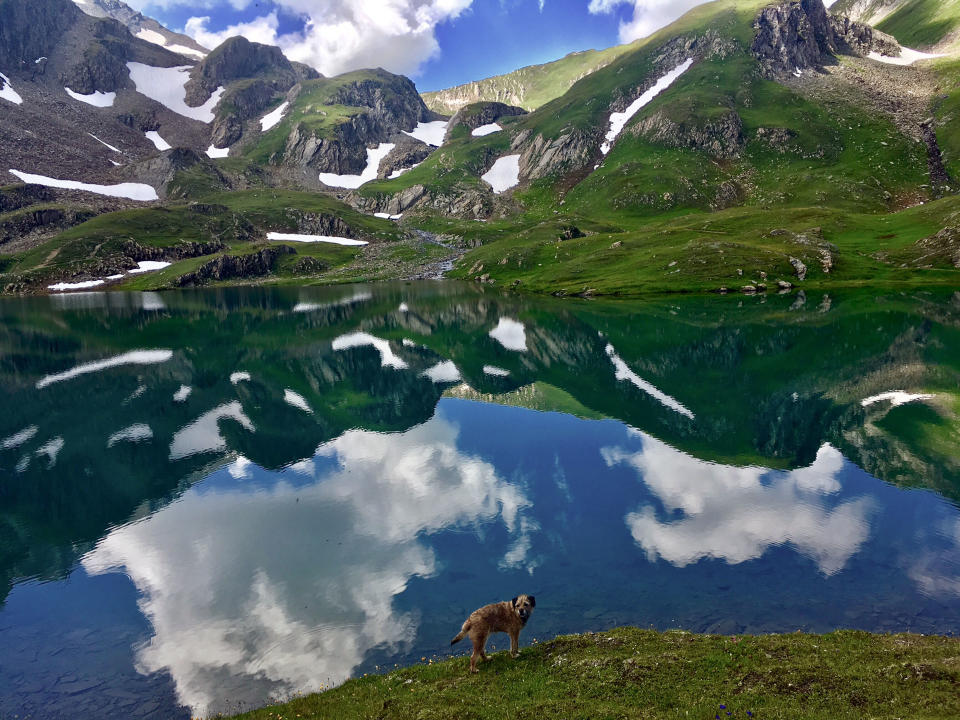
915	23
529	87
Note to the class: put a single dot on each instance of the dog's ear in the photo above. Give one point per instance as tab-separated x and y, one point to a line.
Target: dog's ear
533	600
513	602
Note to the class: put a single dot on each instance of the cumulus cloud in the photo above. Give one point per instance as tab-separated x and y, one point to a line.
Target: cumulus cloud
342	35
648	15
736	514
255	593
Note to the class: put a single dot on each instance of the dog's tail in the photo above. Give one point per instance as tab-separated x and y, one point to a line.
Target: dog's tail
461	634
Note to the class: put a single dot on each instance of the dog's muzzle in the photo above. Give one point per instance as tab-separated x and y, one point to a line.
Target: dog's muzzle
524	614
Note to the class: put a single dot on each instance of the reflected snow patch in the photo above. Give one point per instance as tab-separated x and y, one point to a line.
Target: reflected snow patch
203	434
511	334
18	439
896	397
623	372
134	357
495	371
134	433
362	339
296	400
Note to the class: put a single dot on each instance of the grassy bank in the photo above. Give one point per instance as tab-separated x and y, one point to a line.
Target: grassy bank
631	673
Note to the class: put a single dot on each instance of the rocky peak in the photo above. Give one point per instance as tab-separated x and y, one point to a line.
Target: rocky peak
393	100
238	58
800	35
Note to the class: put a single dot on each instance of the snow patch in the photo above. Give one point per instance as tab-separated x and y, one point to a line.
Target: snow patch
167	86
374	156
907	57
149	266
105	144
60	287
131	191
154	137
182	394
431	133
215	152
296	400
495	371
397	173
511	334
362	339
134	433
896	397
8	93
152	36
184	50
618	120
504	174
442	372
134	357
488	129
388	216
272	118
96	98
295	237
623	372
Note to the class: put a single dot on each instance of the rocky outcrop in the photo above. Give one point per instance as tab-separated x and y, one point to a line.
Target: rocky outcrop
721	137
14	197
942	248
541	156
236	59
405	155
483	113
392	100
318	223
801	35
240	103
29	30
227	267
44	220
940	179
160	171
182	250
99	70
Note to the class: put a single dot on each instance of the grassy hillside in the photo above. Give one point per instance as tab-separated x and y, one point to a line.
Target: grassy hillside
529	87
631	673
923	23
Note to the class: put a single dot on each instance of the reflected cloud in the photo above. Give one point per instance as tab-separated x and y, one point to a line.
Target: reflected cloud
263	592
737	513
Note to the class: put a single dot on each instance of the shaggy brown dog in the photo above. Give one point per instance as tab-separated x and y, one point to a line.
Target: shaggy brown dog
507	616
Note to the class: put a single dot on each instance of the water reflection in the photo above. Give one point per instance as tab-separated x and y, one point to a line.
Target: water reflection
737	513
288	587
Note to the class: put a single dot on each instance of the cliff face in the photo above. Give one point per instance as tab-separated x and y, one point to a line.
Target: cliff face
32	30
801	35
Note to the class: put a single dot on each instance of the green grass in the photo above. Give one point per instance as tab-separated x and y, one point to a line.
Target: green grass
922	23
631	673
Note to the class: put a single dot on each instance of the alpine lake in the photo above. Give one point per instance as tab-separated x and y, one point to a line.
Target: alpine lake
214	499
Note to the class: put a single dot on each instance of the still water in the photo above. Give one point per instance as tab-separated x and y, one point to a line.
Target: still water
209	500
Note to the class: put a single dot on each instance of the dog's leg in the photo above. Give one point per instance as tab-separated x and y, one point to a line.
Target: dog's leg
475	656
514	644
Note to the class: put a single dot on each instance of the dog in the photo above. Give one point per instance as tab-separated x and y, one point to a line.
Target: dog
509	616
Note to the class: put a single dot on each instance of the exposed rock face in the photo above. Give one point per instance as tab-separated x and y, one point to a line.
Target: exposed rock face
16	225
570	152
870	12
183	249
406	154
721	137
32	30
235	59
477	114
345	153
15	197
99	70
135	22
161	170
800	35
319	223
246	100
393	100
939	177
944	247
227	267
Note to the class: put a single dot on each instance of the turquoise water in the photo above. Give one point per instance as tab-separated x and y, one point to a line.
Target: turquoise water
210	500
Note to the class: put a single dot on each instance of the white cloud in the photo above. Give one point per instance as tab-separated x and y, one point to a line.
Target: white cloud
259	593
738	513
648	15
342	35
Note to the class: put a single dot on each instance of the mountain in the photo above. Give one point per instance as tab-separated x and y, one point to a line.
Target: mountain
143	27
916	23
529	87
748	146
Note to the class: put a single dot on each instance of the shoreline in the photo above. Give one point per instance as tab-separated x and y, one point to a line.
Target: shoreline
629	672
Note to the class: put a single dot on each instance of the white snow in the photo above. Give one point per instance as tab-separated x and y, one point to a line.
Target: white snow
203	434
182	394
896	397
504	174
495	371
296	400
184	50
134	357
105	144
442	372
623	372
488	129
362	339
272	118
511	334
374	156
215	152
429	132
168	87
39	60
51	449
8	93
618	120
149	266
152	36
18	439
132	191
397	173
239	377
907	57
60	287
154	137
403	307
388	216
96	98
295	237
135	433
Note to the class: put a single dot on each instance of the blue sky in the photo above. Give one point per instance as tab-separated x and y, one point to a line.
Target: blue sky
438	43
